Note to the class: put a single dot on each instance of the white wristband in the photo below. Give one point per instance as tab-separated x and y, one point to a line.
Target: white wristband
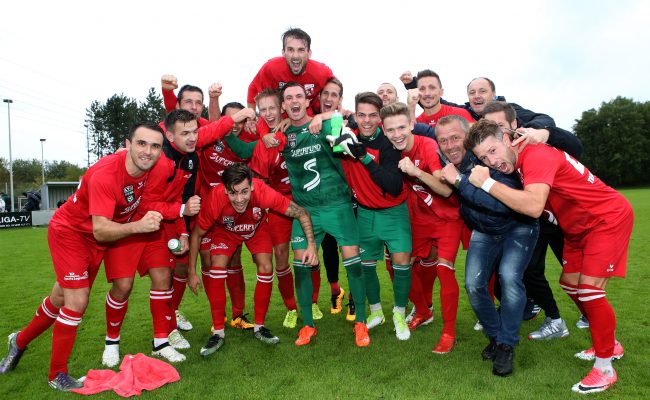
487	185
182	210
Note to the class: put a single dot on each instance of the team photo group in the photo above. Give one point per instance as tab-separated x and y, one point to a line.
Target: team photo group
295	177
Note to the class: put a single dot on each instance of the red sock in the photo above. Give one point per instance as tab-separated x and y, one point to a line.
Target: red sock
160	304
315	281
213	282
448	298
285	285
44	317
572	291
335	288
115	313
602	320
389	267
491	283
63	336
262	296
415	295
427	278
237	289
179	284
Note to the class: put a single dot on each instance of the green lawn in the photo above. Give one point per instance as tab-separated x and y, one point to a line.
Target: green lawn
332	367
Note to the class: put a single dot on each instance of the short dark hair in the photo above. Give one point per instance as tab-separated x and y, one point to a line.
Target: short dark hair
232	104
489	81
188	88
147	125
429	73
178	115
393	110
291	84
236	174
268	92
498	106
296	33
337	83
480	131
368	98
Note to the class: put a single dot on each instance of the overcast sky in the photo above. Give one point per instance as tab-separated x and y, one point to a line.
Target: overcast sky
556	57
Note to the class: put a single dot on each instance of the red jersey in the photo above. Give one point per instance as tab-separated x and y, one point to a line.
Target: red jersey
170	100
579	200
218	210
444	111
269	164
423	201
275	73
106	190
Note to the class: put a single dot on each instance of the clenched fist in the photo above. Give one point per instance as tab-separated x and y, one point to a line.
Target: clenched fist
150	222
169	82
215	90
193	206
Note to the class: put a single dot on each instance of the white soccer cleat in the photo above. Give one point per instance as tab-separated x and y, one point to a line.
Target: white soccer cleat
177	341
111	355
402	330
169	353
182	322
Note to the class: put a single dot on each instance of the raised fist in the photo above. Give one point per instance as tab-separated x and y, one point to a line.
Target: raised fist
169	82
215	90
406	77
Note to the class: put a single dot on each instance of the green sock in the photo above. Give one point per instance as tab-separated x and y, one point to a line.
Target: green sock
304	290
357	286
371	280
401	284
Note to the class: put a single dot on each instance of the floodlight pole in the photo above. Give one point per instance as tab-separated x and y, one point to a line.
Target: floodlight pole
11	161
42	161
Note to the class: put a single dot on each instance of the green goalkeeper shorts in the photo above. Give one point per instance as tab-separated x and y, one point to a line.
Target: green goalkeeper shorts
390	226
337	220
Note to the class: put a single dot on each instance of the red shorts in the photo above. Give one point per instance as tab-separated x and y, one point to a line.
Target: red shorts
170	233
435	232
279	228
137	252
76	256
601	253
226	243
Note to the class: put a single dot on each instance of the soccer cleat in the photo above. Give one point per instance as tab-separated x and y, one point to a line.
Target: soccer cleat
12	358
241	322
478	326
352	311
375	318
402	330
177	341
503	360
445	344
583	322
531	310
265	336
167	352
409	317
337	305
550	330
316	313
490	350
214	343
420	320
305	334
590	353
596	381
111	355
361	338
291	319
182	322
65	382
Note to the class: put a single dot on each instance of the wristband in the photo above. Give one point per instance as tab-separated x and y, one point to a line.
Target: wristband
182	210
487	185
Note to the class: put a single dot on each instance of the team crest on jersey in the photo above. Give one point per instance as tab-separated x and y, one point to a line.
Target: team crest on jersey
417	163
291	138
128	193
218	147
229	221
257	213
309	89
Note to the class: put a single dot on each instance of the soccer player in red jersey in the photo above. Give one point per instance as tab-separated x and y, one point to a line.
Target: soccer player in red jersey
295	65
435	222
98	213
430	89
190	98
596	221
237	208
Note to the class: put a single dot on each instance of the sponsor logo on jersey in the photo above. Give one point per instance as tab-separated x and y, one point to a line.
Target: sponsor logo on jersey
309	88
292	140
313	149
221	246
257	213
221	160
610	268
131	207
297	239
128	193
74	277
229	221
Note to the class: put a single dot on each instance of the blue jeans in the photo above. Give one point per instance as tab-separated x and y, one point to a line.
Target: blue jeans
512	251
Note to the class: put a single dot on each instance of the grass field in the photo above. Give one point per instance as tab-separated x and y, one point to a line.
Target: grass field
332	367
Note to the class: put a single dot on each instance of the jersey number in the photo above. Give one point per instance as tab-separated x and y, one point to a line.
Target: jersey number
310	165
576	164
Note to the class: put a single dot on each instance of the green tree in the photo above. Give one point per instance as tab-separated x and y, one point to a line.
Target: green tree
616	141
62	171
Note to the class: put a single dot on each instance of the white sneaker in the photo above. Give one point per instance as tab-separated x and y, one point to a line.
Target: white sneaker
177	341
402	330
478	326
169	353
375	318
111	356
182	322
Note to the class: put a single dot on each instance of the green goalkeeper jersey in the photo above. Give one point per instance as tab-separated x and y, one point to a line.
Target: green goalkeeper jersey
316	176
